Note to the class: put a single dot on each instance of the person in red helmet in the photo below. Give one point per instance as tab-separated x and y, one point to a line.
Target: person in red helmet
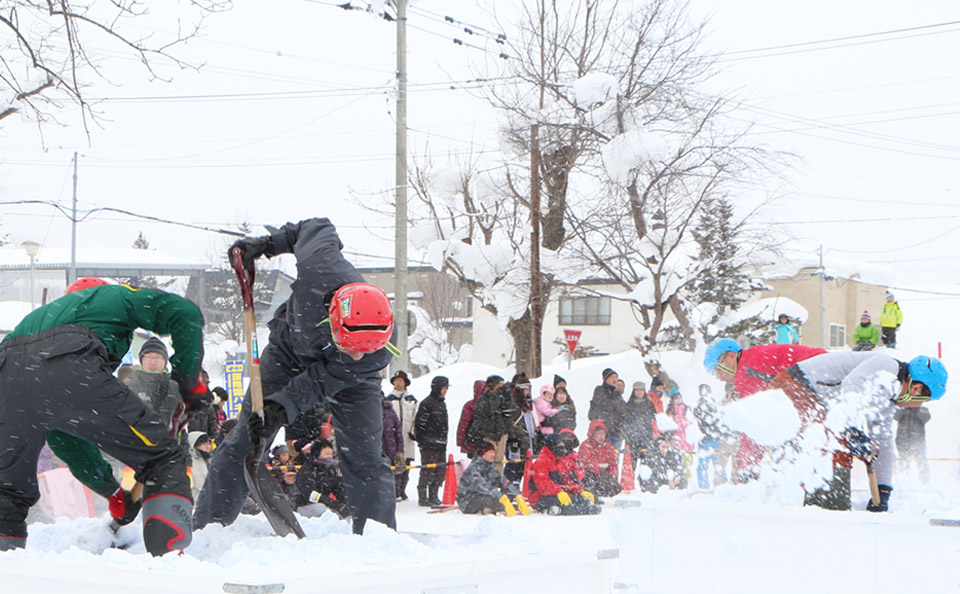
329	342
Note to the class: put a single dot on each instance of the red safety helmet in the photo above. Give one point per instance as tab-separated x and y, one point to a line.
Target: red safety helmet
361	317
85	283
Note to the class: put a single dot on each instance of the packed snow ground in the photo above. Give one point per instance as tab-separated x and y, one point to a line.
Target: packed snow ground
753	538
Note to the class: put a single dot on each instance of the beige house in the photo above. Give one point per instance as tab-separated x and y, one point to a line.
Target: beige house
841	300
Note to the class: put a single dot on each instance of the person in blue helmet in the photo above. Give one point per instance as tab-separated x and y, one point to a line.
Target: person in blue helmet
855	396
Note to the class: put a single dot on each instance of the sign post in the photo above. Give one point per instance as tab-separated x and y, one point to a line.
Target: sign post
233	376
572	337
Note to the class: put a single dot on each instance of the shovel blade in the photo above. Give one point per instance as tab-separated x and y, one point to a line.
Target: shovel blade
268	496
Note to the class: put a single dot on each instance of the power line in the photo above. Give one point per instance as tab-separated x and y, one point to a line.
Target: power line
865	37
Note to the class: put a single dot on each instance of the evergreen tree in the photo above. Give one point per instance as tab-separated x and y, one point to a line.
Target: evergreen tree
721	281
143	282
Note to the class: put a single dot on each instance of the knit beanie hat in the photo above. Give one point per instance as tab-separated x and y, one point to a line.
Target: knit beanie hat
865	316
656	382
154	345
639	386
557	379
484	448
607	373
890	295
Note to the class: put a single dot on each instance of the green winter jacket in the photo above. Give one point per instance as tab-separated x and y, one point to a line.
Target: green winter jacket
867	333
113	312
890	315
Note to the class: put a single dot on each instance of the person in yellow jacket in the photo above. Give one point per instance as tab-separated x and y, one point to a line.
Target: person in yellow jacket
890	319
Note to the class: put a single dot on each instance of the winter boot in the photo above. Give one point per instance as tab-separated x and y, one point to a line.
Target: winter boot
433	491
167	523
422	499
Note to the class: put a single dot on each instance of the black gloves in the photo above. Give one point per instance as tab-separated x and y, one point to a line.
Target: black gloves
194	392
252	248
274	417
884	498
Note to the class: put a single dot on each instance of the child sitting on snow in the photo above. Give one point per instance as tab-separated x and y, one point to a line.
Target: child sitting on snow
662	465
319	484
483	489
599	461
556	481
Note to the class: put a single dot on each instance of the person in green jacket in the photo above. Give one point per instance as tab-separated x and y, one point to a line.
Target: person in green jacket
890	319
866	335
56	374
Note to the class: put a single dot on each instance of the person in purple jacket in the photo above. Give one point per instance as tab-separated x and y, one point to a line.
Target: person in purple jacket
393	438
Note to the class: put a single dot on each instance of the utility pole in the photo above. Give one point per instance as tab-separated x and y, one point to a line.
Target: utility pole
400	257
822	334
536	288
72	274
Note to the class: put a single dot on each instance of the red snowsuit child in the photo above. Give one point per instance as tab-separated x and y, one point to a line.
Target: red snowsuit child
755	368
599	460
556	481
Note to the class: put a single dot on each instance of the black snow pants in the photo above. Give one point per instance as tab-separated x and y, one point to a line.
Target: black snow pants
358	420
62	379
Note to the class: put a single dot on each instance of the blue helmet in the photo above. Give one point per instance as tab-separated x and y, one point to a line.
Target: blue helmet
931	372
716	349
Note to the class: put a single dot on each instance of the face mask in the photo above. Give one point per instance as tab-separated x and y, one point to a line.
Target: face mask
327	462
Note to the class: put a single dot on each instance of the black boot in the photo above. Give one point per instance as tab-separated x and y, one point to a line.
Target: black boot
433	497
422	499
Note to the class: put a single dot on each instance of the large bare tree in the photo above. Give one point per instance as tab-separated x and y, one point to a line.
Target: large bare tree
54	49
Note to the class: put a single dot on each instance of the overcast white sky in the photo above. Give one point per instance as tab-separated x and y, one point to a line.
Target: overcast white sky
293	112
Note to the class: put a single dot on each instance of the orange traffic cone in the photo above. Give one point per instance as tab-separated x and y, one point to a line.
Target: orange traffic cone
450	484
527	472
627	482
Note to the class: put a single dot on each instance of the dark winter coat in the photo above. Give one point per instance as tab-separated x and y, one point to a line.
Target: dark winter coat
551	473
392	434
205	420
326	481
911	431
157	391
607	405
481	479
467	445
565	417
517	412
488	420
299	330
430	425
639	418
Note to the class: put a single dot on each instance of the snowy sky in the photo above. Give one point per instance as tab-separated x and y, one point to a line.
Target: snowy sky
293	112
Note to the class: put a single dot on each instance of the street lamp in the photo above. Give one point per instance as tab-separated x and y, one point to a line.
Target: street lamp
32	248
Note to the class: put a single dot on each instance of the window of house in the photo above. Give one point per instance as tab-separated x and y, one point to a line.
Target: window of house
585	311
838	336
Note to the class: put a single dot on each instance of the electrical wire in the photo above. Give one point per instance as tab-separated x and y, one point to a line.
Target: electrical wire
864	40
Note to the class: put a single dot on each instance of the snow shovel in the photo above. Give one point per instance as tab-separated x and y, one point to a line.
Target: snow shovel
263	486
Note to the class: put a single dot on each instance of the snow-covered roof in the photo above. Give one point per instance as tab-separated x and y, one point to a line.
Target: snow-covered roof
15	258
792	263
